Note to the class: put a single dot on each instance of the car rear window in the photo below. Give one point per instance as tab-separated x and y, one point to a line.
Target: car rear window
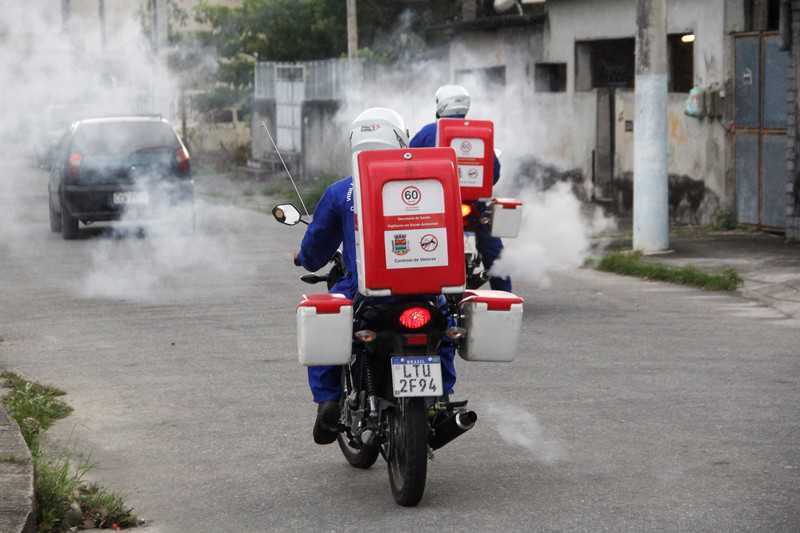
122	138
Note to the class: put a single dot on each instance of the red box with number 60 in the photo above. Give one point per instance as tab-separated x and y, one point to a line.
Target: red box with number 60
409	231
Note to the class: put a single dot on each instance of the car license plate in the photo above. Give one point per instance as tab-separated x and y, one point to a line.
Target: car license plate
131	198
417	376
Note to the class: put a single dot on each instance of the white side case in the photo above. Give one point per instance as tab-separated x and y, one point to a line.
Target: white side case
506	221
492	336
324	339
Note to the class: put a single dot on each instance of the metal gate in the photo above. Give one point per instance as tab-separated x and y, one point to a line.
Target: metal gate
760	126
289	95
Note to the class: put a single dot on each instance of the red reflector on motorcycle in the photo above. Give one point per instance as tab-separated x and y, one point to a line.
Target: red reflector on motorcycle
415	317
416	339
466	210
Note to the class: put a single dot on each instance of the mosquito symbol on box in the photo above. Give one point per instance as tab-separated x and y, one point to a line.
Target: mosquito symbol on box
429	242
466	147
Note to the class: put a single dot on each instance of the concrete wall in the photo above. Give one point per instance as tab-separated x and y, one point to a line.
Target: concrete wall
564	125
325	149
578	20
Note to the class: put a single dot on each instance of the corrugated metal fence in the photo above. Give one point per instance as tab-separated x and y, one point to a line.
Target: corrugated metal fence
321	80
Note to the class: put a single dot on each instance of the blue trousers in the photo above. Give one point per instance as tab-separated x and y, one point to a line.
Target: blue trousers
490	249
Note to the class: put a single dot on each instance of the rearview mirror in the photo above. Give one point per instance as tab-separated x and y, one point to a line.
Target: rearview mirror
286	214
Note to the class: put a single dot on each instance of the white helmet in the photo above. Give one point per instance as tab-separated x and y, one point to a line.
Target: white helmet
452	100
378	128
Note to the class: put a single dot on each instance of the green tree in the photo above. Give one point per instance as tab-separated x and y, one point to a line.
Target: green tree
301	30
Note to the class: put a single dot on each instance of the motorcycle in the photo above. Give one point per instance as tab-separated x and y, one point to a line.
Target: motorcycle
394	405
473	216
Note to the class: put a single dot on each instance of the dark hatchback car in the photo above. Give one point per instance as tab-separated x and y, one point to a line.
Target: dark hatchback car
105	169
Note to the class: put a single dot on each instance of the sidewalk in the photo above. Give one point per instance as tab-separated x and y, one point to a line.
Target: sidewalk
769	266
16	479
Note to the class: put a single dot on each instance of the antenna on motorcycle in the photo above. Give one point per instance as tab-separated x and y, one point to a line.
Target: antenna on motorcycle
286	168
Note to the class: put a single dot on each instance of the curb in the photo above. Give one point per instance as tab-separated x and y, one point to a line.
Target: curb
16	479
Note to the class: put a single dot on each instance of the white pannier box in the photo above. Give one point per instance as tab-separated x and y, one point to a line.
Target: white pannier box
324	329
506	217
493	320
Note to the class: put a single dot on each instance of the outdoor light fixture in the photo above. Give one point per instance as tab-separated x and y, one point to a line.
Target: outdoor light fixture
688	38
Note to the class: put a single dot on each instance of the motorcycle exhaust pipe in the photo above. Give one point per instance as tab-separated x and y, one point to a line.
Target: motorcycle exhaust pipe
450	428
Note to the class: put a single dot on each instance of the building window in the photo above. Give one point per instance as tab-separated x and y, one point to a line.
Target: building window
762	15
550	77
608	63
773	15
681	62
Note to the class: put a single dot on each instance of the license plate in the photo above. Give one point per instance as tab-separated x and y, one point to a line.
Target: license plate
130	198
417	376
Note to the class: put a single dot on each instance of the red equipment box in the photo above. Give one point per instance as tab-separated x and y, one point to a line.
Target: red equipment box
409	230
473	141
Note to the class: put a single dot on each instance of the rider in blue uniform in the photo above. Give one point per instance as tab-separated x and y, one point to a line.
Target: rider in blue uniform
452	101
332	227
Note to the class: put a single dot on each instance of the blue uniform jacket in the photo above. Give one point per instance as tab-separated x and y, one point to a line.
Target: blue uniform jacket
333	226
426	138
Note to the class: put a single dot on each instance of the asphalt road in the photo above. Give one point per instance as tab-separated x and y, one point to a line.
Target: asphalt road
633	406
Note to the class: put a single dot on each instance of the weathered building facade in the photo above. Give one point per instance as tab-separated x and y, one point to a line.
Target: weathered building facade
557	77
571	69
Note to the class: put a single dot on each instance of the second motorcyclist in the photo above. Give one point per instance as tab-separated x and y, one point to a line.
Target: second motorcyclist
453	101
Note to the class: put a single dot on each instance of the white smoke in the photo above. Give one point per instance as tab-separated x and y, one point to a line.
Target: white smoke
517	427
176	248
556	236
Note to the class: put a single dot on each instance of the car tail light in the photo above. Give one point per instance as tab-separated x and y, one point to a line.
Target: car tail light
182	156
466	210
74	165
415	317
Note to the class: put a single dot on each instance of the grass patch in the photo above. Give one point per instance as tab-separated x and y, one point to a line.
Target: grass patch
64	499
35	407
633	265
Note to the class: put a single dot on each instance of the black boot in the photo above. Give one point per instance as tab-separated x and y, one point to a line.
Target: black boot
326	426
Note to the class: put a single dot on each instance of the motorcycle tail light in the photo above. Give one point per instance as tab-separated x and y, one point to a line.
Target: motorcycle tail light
74	165
415	317
466	210
182	157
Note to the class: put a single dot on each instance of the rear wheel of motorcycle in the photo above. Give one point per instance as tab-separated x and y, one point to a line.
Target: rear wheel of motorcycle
408	451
